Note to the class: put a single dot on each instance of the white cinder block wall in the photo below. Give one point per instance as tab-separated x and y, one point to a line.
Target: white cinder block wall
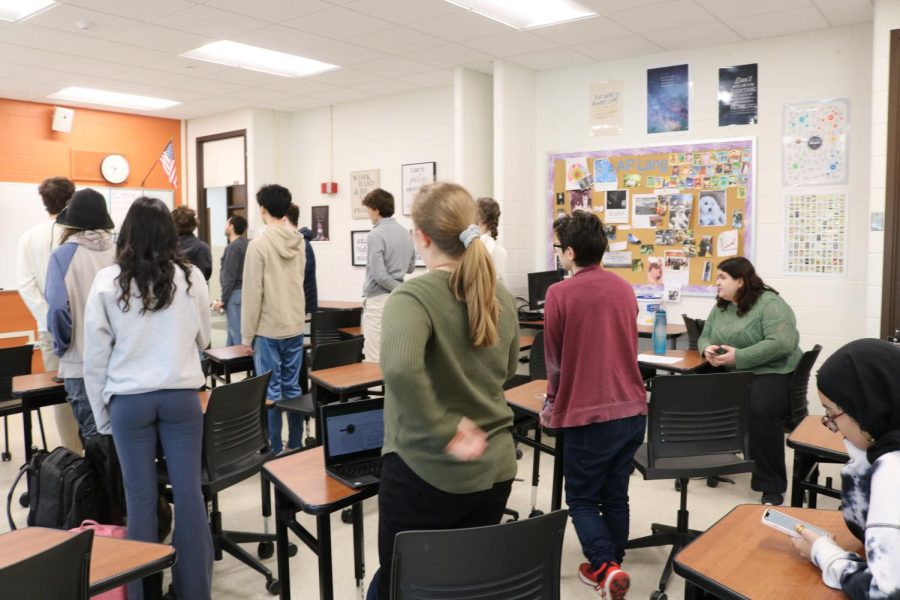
832	63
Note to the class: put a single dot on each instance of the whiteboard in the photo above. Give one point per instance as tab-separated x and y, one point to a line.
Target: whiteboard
21	208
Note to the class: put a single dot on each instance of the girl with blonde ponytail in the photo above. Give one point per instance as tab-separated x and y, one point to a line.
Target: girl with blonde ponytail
449	342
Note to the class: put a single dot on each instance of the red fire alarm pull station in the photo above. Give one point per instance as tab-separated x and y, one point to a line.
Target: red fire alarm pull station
329	187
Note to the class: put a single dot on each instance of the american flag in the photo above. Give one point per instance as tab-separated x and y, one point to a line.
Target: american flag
167	158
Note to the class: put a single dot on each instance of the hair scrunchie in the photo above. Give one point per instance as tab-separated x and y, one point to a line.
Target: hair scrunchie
472	232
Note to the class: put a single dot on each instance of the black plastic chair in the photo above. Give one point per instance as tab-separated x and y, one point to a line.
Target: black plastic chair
694	329
537	364
697	428
323	327
61	572
511	560
800	386
14	362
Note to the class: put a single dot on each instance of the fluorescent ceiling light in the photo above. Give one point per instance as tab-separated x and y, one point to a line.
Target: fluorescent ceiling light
254	58
16	10
527	14
104	98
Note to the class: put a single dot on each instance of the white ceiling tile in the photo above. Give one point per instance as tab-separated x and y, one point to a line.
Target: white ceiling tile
342	77
186	111
58	79
187	66
152	77
340	23
255	94
435	78
619	48
603	7
179	95
121	53
26	90
403	11
695	36
222	103
63	18
283	39
779	23
448	55
508	44
211	22
87	66
594	29
207	86
294	104
730	9
142	11
24	55
392	66
163	38
244	77
25	34
274	11
397	40
7	69
299	86
461	26
847	12
342	95
485	66
342	54
554	58
658	17
386	87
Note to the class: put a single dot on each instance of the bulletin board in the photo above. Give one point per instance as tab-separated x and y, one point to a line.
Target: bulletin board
684	207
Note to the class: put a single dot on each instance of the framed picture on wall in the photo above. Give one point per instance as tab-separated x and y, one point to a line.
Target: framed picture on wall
319	223
359	248
413	177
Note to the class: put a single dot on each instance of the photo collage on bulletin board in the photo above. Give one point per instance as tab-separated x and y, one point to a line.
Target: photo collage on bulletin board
671	213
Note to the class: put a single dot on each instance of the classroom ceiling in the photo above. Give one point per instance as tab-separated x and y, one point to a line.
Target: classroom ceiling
383	46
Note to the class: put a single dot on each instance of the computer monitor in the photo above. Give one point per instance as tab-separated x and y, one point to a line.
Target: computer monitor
537	287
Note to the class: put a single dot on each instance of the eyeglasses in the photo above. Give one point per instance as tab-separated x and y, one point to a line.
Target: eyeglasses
828	421
558	246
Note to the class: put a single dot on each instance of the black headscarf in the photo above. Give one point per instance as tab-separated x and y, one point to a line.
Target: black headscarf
863	379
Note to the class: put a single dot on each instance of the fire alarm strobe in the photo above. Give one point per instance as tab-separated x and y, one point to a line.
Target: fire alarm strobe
329	187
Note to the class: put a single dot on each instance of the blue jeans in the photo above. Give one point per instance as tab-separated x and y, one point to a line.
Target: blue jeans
174	418
283	357
597	466
233	318
81	406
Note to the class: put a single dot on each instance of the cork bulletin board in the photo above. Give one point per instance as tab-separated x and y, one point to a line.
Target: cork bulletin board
671	212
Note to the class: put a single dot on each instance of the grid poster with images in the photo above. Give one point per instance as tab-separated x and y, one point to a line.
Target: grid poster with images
815	235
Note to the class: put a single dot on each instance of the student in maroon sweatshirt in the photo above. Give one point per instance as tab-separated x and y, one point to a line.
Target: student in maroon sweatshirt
595	395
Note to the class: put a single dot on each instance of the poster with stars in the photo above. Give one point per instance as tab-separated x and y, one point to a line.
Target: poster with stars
815	142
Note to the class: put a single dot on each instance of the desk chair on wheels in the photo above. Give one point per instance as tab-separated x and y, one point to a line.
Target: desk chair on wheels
697	427
14	362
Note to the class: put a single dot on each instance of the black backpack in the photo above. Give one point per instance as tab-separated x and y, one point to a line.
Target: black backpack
63	490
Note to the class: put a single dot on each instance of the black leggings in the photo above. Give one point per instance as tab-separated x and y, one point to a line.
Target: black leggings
770	405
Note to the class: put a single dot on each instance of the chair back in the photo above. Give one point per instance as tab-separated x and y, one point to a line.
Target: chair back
537	364
337	354
698	415
694	329
69	562
800	384
234	428
324	325
13	362
511	560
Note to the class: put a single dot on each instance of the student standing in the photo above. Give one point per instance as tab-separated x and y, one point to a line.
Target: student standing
489	220
32	258
196	250
147	320
231	276
87	247
390	257
450	342
273	316
595	395
310	289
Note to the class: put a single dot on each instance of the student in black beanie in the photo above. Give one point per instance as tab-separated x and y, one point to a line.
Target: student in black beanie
859	386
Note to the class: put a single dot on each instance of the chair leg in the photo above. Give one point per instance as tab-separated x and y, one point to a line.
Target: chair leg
6	455
41	425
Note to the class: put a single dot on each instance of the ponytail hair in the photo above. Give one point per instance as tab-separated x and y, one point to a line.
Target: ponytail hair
443	211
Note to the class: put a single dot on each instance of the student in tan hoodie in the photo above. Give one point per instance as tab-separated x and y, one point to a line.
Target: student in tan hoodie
273	314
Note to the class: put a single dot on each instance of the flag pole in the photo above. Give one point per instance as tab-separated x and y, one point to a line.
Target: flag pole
156	160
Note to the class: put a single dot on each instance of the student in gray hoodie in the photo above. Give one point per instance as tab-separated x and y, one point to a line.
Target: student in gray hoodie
87	247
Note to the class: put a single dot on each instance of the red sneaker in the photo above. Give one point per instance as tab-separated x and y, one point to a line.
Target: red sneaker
610	580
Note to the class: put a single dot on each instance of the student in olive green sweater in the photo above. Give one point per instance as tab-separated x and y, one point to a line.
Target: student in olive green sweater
752	328
449	341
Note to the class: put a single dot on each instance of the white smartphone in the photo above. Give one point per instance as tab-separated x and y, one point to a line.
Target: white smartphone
787	524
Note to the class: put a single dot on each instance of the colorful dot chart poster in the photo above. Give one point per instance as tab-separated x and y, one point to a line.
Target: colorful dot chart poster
815	234
815	142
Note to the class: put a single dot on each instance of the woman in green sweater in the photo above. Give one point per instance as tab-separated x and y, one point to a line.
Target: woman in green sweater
449	341
752	328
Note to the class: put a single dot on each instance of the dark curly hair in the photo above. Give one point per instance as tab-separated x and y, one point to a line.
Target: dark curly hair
147	254
56	193
185	220
741	268
489	214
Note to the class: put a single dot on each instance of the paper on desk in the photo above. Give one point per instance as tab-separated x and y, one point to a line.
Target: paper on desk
660	360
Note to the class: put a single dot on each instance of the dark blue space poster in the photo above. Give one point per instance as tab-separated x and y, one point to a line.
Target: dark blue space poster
668	99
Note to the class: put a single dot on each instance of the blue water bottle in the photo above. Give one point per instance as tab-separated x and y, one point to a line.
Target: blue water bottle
659	332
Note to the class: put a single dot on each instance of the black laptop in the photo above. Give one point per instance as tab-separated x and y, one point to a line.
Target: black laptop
353	434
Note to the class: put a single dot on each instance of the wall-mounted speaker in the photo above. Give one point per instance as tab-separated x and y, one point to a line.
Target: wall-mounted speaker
62	119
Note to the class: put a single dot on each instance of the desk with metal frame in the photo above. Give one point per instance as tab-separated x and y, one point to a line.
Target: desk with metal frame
813	444
673	331
231	359
690	361
35	391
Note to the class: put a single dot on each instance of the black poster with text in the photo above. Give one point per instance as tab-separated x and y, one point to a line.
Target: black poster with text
738	95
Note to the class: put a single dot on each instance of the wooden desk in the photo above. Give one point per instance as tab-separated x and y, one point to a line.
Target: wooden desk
740	558
301	484
673	331
525	342
691	360
348	379
231	359
813	444
339	305
350	332
35	391
528	400
114	562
